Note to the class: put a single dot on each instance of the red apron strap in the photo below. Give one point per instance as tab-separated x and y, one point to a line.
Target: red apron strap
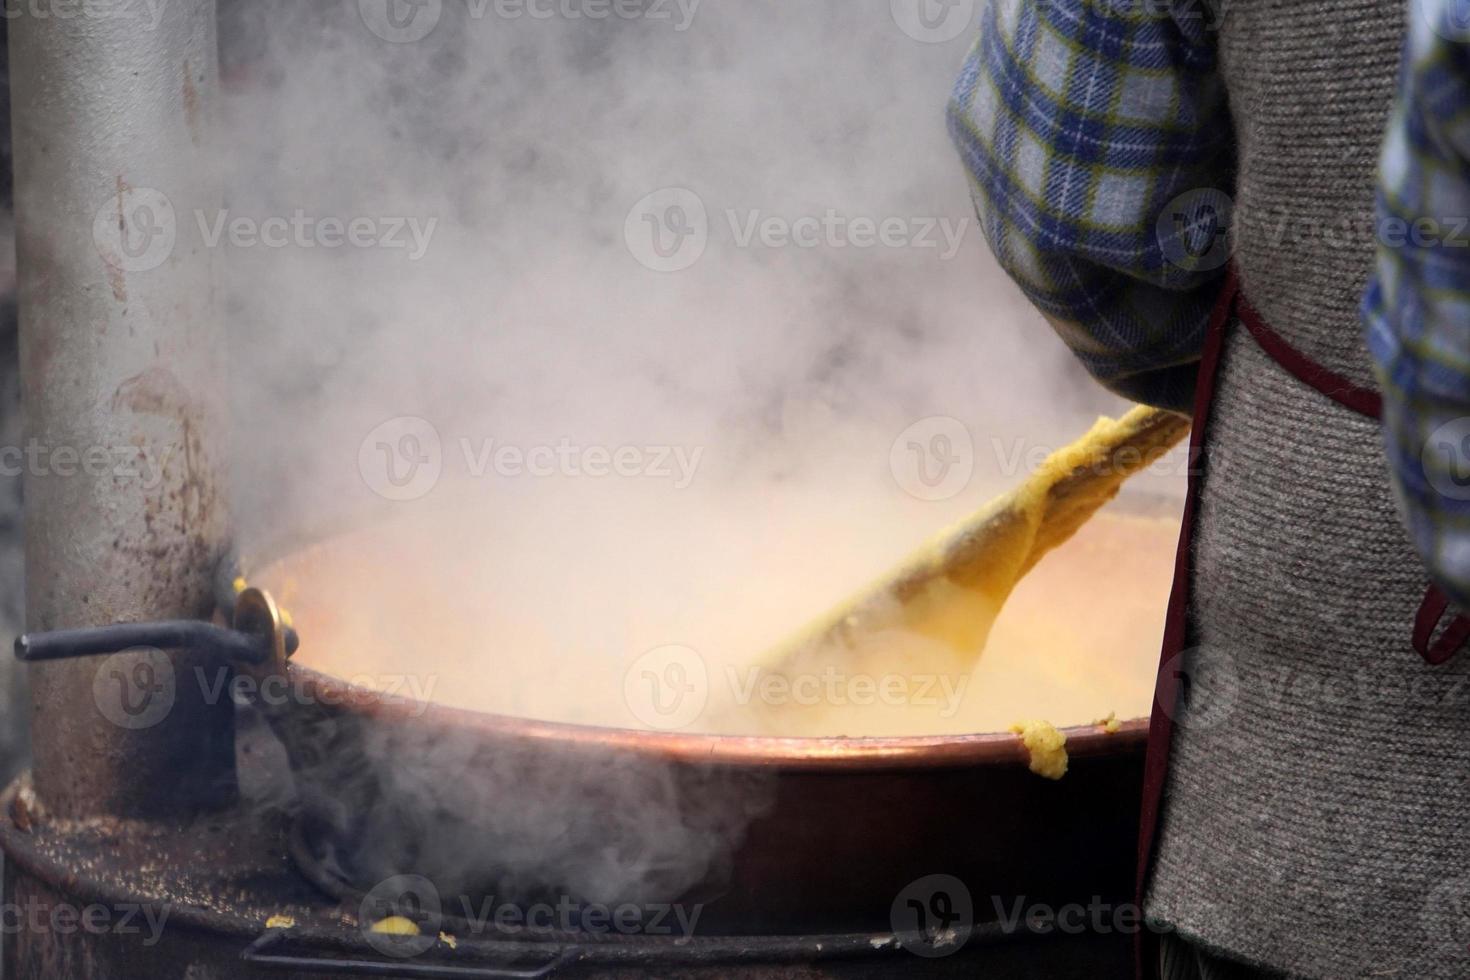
1161	726
1364	401
1436	652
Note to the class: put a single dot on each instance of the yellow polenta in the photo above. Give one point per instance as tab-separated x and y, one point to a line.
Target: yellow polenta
1046	745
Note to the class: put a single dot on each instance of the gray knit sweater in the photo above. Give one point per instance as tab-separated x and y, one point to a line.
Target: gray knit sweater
1317	817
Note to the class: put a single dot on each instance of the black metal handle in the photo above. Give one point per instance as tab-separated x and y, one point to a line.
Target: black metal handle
226	644
255	954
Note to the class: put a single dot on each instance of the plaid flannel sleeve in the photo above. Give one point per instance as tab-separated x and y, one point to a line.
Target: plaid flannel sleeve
1099	146
1417	308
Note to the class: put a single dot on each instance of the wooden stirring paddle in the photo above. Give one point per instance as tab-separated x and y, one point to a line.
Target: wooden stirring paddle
952	589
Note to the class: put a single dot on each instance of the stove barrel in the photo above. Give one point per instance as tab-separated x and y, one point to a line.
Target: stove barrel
120	352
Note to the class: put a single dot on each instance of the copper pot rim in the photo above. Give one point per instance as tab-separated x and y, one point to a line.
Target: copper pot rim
832	754
829	754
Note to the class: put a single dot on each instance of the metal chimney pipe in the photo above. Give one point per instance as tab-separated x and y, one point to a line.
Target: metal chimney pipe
120	368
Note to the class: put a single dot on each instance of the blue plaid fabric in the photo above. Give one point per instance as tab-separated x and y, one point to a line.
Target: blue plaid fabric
1417	309
1099	145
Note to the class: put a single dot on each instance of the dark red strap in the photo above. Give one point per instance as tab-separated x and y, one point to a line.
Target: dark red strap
1364	401
1161	725
1437	652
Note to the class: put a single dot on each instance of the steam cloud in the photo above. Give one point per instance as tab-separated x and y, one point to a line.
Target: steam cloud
528	319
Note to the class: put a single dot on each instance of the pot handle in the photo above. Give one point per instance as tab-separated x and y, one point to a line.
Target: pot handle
229	645
252	642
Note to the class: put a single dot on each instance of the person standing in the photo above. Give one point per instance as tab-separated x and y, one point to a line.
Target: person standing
1185	189
1417	308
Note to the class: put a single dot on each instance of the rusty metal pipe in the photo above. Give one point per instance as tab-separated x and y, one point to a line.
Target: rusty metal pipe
120	365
